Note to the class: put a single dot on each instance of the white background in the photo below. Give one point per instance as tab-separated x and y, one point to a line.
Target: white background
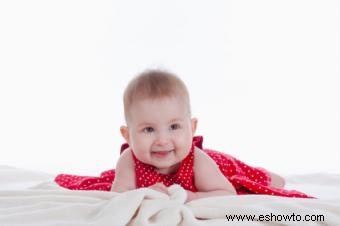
263	77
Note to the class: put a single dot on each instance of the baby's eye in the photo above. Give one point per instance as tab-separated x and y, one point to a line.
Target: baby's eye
174	126
148	130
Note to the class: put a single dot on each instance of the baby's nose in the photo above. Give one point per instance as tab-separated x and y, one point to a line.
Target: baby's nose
162	139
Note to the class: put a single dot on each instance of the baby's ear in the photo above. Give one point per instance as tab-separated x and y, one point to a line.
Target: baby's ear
193	125
124	130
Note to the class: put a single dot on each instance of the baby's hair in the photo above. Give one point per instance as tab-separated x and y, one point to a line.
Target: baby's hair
153	84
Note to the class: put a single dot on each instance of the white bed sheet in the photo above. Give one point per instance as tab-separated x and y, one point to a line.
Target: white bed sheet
32	198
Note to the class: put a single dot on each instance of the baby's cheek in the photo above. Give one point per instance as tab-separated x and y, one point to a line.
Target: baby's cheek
184	152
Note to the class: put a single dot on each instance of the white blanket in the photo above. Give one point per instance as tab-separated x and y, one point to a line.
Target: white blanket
32	198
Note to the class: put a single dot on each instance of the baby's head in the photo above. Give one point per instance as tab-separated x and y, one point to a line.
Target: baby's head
159	125
154	84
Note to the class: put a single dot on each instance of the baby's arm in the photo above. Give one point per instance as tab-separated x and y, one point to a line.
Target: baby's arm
209	180
124	173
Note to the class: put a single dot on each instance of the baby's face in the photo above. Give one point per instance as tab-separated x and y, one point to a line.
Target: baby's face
160	132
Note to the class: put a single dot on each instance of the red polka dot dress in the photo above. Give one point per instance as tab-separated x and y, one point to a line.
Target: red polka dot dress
146	175
245	179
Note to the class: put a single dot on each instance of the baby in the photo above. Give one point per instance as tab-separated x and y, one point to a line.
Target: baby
162	148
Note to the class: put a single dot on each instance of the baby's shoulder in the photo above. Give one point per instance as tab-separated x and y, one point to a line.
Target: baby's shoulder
200	155
126	155
204	162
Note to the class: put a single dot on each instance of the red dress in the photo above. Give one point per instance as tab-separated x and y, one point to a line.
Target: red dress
245	179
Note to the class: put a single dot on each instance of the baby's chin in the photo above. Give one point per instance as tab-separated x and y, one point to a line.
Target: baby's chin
166	169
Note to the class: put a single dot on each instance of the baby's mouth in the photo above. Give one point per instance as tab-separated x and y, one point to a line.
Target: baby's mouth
161	154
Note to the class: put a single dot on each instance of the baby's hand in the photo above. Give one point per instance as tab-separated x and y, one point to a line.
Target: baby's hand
190	196
160	187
